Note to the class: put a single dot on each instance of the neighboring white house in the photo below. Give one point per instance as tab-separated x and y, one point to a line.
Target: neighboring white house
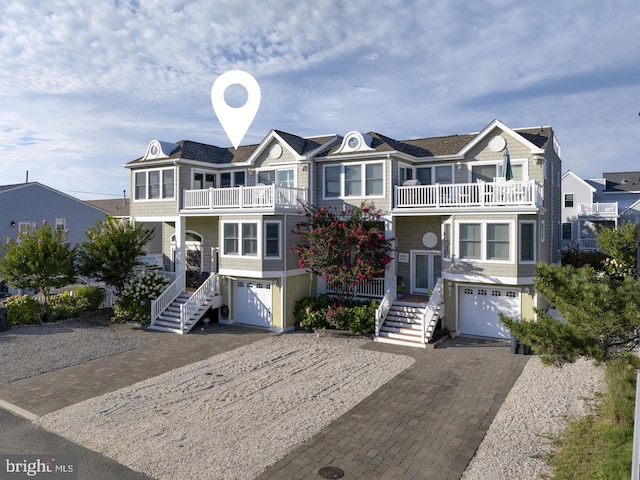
588	205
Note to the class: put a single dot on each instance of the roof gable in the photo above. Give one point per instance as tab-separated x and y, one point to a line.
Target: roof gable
4	189
524	136
581	180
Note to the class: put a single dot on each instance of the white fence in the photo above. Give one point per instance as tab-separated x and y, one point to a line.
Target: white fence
370	288
261	196
480	194
598	209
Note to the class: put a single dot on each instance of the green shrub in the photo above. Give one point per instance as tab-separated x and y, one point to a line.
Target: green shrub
23	310
311	312
134	303
93	294
65	306
324	311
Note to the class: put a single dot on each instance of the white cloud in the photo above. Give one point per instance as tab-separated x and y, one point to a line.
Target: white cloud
86	85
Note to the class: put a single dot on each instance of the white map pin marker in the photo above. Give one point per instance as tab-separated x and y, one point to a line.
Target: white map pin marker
235	121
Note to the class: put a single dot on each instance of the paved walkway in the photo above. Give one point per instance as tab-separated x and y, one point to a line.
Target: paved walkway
424	424
52	391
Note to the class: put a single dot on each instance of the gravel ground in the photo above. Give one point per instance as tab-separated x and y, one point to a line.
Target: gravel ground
540	403
232	415
34	349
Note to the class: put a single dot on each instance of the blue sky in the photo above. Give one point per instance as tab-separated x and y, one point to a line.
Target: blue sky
85	85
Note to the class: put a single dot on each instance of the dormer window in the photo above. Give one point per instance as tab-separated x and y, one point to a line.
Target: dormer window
158	149
355	142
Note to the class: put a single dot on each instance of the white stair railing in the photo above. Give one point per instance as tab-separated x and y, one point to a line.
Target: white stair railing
165	299
385	305
433	307
210	287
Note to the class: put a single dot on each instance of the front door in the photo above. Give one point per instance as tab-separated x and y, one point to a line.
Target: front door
426	268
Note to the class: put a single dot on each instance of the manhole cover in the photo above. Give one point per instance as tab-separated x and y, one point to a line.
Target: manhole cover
331	472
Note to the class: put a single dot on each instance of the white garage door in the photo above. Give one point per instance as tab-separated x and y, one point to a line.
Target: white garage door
253	302
480	307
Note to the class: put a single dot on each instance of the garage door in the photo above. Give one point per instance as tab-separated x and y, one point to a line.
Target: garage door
253	302
480	307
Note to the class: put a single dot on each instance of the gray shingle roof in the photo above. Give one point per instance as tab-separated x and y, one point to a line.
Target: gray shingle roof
116	207
622	181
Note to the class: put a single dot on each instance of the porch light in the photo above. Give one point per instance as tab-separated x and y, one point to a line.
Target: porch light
538	159
459	165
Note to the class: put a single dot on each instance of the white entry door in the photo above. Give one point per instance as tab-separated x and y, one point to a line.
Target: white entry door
426	268
253	301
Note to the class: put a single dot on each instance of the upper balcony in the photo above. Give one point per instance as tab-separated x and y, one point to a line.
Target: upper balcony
598	210
469	195
259	199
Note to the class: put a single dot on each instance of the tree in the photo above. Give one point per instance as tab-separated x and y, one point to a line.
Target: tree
601	315
112	251
41	259
621	247
348	248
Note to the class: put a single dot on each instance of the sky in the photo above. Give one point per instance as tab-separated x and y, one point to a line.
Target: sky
86	85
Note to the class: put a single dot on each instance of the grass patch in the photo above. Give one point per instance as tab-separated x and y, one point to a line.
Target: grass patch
599	446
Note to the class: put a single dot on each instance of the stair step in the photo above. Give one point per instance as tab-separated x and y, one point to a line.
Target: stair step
399	334
402	324
396	341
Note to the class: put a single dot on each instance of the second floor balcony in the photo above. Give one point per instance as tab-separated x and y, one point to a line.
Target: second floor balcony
469	195
598	210
260	198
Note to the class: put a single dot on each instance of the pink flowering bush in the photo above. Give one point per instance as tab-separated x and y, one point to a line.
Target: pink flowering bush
348	248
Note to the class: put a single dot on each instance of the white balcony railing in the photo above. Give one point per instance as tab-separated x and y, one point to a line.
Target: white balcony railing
598	209
258	197
480	194
369	288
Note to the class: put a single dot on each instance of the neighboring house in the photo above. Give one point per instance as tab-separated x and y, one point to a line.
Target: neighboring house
588	205
26	205
464	235
120	208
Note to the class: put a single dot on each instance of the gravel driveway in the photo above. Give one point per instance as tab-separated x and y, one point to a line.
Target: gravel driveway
29	350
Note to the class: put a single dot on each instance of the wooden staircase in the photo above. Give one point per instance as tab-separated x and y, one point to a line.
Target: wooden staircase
184	309
401	323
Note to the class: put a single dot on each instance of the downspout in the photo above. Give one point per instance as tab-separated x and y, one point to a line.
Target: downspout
284	276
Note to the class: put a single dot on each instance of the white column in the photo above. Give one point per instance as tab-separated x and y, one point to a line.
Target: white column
389	273
181	259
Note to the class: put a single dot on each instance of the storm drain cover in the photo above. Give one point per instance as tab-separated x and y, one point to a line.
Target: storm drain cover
331	472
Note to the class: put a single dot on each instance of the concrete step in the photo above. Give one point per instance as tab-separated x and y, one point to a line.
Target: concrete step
399	341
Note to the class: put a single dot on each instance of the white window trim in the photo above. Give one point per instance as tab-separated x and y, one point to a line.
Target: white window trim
514	161
451	249
232	173
269	169
22	223
564	200
64	224
259	234
194	171
483	241
363	179
264	240
146	189
432	166
535	247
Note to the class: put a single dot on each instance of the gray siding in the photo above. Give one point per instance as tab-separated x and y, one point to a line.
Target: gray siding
35	203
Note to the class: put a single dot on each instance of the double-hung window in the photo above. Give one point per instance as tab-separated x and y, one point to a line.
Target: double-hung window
240	238
470	241
527	241
281	177
485	241
154	184
498	244
272	239
354	180
568	200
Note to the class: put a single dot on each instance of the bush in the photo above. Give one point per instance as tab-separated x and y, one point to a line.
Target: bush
324	311
94	296
65	306
23	310
134	303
